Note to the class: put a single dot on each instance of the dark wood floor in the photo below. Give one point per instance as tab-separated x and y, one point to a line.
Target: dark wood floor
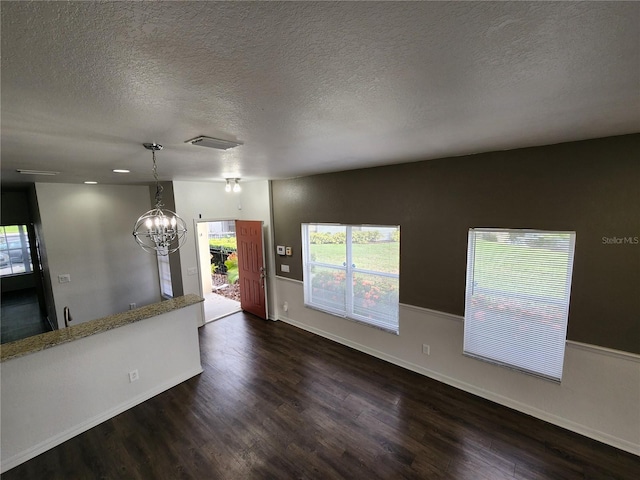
277	402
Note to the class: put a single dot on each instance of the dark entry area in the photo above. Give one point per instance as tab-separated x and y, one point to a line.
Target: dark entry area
21	316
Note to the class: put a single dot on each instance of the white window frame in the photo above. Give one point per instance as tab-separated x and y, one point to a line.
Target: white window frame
388	324
164	274
531	339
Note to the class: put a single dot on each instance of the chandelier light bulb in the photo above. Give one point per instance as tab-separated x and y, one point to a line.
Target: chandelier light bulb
227	187
236	186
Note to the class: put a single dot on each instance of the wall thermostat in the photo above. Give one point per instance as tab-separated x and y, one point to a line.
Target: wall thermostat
280	250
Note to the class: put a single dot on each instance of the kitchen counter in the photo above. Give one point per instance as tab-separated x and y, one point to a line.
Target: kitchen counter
46	340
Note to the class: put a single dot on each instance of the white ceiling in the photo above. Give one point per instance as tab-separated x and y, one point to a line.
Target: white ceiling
309	87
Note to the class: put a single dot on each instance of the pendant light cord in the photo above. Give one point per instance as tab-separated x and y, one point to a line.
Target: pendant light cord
159	187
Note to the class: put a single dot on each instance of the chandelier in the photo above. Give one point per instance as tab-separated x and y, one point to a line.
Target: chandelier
159	231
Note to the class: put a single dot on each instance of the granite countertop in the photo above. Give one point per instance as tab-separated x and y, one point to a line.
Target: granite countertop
46	340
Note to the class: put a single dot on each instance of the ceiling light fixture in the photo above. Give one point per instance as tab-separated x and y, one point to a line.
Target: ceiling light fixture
36	172
90	182
121	170
236	185
158	231
211	142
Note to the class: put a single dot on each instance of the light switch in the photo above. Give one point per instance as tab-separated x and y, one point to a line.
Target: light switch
284	268
66	278
280	250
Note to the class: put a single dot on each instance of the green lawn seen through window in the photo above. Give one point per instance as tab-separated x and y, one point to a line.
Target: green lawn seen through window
520	269
228	243
379	257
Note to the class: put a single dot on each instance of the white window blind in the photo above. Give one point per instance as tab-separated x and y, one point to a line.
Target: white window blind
352	271
517	298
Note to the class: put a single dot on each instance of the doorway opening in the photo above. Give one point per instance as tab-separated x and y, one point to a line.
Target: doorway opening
23	307
219	268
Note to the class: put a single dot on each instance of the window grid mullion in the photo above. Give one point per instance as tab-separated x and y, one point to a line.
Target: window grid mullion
375	272
368	300
349	260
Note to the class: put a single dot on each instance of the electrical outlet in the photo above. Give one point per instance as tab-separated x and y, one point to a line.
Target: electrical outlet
285	306
133	376
426	349
132	306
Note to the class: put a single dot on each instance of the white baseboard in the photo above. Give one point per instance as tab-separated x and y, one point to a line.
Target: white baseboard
507	402
62	437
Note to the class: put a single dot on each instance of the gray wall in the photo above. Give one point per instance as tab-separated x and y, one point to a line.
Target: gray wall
87	229
590	187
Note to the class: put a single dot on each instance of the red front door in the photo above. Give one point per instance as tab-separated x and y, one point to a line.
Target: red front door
251	267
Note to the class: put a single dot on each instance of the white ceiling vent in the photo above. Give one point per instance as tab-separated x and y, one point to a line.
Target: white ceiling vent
211	142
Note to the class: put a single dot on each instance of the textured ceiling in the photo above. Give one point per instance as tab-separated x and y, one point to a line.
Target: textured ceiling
308	87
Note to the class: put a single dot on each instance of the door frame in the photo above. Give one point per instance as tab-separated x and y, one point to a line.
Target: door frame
196	221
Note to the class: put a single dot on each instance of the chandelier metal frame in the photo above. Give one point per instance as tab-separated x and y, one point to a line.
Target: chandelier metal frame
159	231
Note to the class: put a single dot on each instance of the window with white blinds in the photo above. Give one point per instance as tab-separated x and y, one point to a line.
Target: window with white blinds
353	271
517	298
